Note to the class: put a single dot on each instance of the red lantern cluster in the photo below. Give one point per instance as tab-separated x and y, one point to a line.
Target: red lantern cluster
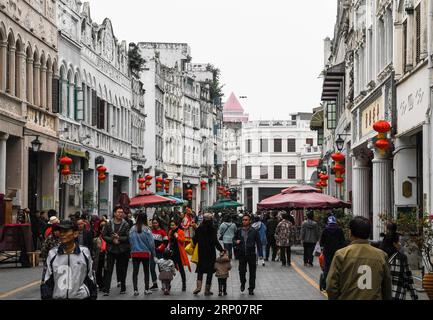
323	183
148	182
223	192
159	182
189	194
203	185
101	173
167	186
66	162
382	143
141	181
338	167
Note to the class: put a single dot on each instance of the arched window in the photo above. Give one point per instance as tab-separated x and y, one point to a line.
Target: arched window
10	65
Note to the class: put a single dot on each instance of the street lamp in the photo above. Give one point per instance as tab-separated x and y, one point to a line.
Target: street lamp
339	143
36	145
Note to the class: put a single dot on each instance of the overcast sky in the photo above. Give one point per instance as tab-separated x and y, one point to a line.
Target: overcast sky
270	51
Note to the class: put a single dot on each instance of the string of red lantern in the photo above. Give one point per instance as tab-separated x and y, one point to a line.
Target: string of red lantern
101	170
66	162
338	167
382	143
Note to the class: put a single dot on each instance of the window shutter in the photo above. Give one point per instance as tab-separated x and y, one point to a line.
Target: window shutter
79	104
418	34
101	114
55	96
94	109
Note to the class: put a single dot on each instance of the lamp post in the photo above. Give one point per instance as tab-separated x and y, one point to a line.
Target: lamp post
36	145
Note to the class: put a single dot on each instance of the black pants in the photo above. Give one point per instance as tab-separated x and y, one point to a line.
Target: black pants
136	268
100	271
222	285
178	262
229	248
308	252
208	278
286	255
121	260
271	244
328	261
249	260
166	285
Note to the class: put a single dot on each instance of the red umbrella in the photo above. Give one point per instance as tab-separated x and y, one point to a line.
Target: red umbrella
302	197
149	199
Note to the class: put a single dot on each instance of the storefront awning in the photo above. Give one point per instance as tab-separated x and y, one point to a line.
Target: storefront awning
317	119
334	79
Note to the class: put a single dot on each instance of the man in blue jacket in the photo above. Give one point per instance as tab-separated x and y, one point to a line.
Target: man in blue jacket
247	240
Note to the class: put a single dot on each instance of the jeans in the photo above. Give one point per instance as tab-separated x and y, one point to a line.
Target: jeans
121	260
271	244
177	262
229	248
136	268
249	261
153	267
208	278
222	285
308	252
286	255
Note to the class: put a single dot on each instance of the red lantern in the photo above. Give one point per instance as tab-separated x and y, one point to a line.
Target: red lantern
338	168
102	177
142	188
149	177
65	161
338	157
382	126
167	182
324	177
66	172
339	180
148	183
159	179
141	180
382	144
323	184
101	169
319	185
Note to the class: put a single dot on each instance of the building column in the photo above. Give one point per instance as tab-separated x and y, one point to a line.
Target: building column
43	89
360	187
11	77
36	84
381	191
255	199
49	94
3	62
29	81
3	138
21	76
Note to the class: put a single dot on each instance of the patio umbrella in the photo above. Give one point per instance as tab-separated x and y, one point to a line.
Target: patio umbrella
149	199
225	204
302	197
178	201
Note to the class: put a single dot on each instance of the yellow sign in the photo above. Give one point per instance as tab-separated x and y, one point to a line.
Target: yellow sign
74	152
373	113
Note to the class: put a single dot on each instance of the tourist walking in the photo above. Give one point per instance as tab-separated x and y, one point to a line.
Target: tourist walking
116	234
85	237
222	272
176	239
206	239
76	261
309	237
160	239
261	229
226	233
142	251
167	271
99	256
359	271
271	227
247	241
331	241
284	236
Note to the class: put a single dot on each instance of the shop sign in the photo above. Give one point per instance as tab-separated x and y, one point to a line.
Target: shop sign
370	115
72	179
177	189
412	101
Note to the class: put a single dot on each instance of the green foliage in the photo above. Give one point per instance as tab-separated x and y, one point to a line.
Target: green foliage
136	61
215	85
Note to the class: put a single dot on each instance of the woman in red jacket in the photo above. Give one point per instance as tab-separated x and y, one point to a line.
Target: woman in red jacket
177	246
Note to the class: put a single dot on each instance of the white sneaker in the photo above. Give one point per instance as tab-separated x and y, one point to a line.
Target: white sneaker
148	292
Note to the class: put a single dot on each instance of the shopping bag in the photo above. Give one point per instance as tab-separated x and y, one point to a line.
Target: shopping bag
194	258
190	248
317	250
322	261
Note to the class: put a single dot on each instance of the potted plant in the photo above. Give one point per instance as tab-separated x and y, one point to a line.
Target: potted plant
417	230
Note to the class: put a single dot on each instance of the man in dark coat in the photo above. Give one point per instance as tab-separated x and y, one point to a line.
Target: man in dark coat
85	237
206	238
247	240
271	226
332	240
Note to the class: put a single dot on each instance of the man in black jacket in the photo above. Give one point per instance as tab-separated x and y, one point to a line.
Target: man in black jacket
247	240
271	226
116	234
85	237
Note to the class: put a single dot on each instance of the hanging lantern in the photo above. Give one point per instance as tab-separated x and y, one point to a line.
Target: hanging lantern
339	180
382	126
66	172
338	157
148	183
324	177
142	188
65	161
141	180
102	177
323	184
382	144
319	185
159	179
149	177
101	169
167	182
338	168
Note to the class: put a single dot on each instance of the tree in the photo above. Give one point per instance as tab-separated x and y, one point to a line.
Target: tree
136	61
215	85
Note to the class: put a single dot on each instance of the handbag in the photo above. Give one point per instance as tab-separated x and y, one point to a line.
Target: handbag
222	235
194	258
189	249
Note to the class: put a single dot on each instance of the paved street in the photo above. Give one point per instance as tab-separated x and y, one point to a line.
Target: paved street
273	283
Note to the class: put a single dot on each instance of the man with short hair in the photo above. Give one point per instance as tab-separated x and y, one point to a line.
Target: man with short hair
68	272
116	235
359	271
247	240
309	237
